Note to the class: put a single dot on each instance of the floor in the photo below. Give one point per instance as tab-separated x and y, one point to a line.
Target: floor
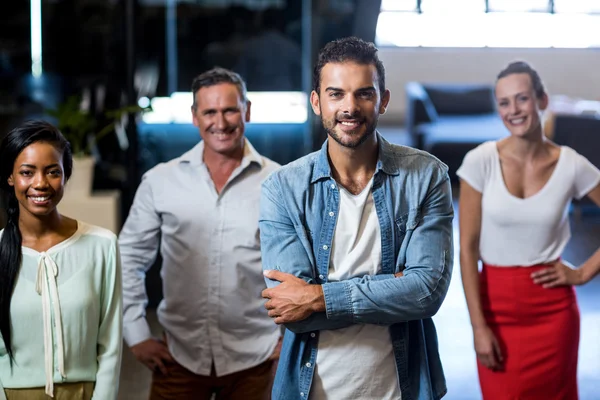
454	331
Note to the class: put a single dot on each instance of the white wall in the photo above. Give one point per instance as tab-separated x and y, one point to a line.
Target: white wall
574	72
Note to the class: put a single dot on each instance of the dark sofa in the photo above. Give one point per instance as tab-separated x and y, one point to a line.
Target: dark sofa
448	120
582	134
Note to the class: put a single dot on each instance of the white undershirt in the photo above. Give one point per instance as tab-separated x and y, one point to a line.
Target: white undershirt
355	362
530	231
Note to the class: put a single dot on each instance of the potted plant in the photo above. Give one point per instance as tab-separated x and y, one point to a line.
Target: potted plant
81	129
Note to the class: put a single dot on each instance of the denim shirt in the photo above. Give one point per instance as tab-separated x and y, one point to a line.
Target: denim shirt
412	197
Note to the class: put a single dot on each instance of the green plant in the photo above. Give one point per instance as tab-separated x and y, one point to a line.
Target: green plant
81	128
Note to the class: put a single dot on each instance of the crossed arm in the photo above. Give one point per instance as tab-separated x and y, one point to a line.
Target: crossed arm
294	299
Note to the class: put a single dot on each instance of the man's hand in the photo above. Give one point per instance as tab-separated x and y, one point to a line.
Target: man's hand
293	299
154	354
560	274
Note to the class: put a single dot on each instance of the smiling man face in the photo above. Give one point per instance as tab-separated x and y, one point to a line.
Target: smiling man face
349	101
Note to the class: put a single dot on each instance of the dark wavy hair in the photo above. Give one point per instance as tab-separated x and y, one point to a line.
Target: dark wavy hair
10	245
521	67
348	49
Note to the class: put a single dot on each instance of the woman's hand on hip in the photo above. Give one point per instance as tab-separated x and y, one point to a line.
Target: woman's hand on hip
561	273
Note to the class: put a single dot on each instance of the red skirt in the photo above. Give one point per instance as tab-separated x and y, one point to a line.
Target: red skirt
538	332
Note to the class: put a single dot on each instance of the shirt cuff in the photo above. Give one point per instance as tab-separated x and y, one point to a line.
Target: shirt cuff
338	303
137	331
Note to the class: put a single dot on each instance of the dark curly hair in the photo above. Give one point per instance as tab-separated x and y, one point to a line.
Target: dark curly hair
348	49
521	67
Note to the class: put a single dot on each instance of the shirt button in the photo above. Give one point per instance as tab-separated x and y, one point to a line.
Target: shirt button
321	276
301	394
333	186
331	214
308	365
325	247
312	334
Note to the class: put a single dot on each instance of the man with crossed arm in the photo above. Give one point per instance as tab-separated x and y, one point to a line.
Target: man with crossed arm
357	248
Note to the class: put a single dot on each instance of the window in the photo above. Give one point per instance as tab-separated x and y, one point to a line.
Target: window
519	6
577	6
398	5
505	23
452	7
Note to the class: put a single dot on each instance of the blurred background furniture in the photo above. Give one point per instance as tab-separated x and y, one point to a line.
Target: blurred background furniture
101	209
582	134
448	120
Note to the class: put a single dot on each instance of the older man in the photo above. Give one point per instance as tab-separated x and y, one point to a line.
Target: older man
202	210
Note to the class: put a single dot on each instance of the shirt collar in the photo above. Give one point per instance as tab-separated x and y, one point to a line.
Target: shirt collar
386	161
195	156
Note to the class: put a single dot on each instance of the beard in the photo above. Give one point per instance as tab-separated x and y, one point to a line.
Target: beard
350	139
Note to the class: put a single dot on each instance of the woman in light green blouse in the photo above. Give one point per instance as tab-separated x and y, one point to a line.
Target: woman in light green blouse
60	280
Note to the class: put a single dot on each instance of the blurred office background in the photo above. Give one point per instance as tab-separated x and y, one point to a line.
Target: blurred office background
92	57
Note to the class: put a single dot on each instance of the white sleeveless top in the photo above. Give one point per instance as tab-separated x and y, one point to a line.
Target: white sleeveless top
530	231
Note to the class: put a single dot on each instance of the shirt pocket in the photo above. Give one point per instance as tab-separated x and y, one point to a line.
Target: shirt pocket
305	233
404	226
405	223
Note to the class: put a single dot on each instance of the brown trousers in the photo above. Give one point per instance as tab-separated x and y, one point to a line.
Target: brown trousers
62	391
181	384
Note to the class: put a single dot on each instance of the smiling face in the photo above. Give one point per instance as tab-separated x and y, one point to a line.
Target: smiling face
518	105
349	102
220	113
38	179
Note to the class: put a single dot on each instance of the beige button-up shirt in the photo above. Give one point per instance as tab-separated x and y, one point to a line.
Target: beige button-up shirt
212	309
